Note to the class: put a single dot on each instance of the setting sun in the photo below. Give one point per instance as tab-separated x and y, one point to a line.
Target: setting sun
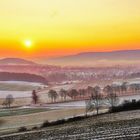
61	27
28	43
69	66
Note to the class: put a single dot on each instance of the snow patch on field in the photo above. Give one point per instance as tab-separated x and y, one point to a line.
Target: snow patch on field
129	82
18	91
130	98
76	104
21	83
16	94
66	87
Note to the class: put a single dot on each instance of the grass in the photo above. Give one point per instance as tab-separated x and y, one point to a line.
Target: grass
15	112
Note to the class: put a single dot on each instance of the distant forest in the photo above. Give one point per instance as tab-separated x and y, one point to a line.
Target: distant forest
6	76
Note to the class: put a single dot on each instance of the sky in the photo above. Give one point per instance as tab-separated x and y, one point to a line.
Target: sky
50	28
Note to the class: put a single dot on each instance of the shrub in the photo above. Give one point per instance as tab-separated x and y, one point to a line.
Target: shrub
45	124
35	128
22	129
78	118
126	106
58	122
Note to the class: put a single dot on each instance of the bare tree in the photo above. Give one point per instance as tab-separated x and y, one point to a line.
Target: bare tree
112	99
53	95
89	106
89	90
34	97
124	87
107	89
111	96
134	88
63	94
96	98
8	101
73	93
82	92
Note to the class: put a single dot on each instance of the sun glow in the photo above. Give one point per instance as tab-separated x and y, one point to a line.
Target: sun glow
61	27
28	43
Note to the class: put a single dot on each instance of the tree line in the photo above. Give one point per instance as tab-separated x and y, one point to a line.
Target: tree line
93	95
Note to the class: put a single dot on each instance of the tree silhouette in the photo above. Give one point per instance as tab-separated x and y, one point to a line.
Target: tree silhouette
8	101
111	96
89	90
82	92
124	87
73	93
34	97
63	94
96	98
107	89
53	95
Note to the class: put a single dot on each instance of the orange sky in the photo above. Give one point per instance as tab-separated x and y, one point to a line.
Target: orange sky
61	27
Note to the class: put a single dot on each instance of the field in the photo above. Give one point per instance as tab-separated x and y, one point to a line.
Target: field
25	114
22	92
10	123
18	86
124	125
18	89
24	111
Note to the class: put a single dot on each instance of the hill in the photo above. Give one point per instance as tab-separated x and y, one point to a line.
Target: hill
15	61
6	76
92	58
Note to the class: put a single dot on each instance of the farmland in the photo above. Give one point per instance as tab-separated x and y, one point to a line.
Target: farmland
23	113
124	125
12	123
18	86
